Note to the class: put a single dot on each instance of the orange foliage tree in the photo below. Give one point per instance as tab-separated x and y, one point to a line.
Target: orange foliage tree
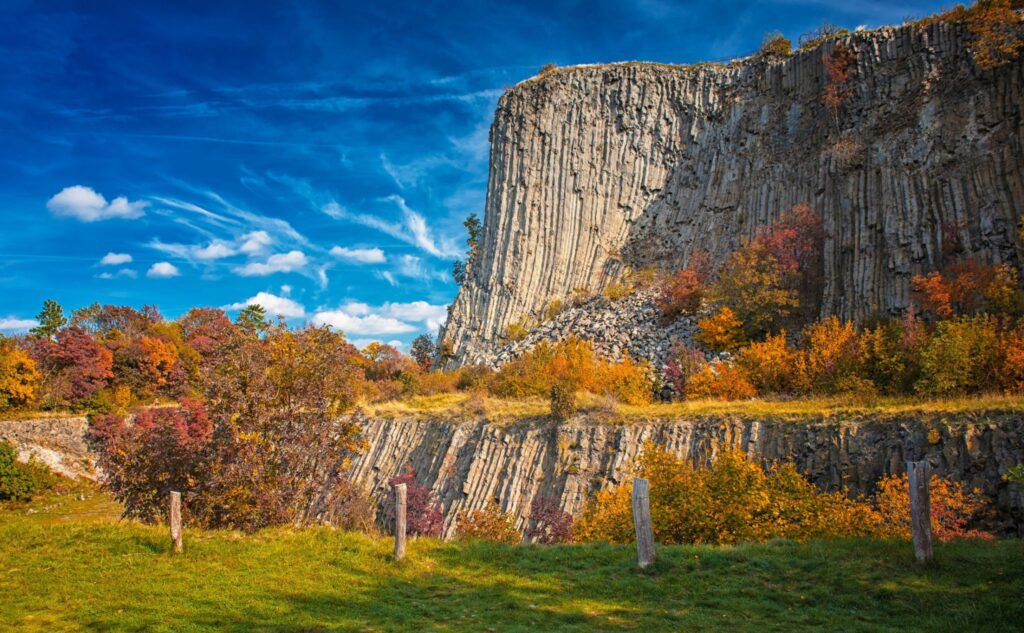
719	381
19	377
952	508
774	367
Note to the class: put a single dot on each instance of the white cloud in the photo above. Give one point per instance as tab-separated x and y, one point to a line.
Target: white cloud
255	242
368	325
278	306
162	270
279	263
360	255
360	318
215	250
124	272
388	277
363	342
286	289
13	324
116	259
431	314
82	203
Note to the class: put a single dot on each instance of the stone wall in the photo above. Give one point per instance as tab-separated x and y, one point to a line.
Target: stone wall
471	464
595	168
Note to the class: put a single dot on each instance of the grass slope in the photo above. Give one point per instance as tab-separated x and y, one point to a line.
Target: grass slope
71	565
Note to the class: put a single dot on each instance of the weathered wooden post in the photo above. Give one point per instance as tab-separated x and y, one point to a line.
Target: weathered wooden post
400	497
642	523
918	475
175	521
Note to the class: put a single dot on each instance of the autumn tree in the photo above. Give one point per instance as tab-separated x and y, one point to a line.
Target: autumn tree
839	65
969	287
19	377
684	291
423	351
51	319
753	286
268	446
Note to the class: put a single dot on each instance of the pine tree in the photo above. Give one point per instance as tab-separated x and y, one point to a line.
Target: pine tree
253	320
51	319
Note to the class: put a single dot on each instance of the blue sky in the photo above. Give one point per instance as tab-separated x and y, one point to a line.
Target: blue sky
318	158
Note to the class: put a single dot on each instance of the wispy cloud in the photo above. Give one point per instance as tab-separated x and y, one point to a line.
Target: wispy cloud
360	255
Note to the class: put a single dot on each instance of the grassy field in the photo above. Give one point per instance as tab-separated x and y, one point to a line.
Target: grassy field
68	564
459	406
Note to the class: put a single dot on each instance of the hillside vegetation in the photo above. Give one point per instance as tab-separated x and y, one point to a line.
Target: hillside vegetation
67	564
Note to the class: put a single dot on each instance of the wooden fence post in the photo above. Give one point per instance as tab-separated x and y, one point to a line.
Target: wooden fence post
642	523
400	496
175	521
918	475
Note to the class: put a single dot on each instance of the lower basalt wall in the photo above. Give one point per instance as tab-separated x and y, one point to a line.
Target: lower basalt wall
471	463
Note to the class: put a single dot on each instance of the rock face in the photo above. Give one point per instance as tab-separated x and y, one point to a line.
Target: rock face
57	442
469	465
598	168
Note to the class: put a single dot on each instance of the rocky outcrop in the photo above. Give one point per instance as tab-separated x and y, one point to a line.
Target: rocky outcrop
57	442
469	465
598	168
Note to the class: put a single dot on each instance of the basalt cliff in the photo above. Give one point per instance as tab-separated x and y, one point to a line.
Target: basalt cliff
596	169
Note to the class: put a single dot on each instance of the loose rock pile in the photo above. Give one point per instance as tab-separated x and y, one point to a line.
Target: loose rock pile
632	324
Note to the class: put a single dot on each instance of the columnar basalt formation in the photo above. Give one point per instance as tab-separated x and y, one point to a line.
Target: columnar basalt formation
469	465
598	168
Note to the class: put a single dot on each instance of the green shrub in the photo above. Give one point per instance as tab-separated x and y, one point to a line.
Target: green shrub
962	357
21	482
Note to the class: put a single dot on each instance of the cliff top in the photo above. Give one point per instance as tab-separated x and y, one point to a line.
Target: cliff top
464	407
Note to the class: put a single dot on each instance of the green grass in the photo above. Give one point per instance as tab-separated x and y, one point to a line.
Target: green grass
72	566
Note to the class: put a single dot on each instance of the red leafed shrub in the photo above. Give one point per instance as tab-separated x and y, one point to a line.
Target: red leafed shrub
683	292
549	523
422	510
76	367
163	449
969	287
795	242
682	363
